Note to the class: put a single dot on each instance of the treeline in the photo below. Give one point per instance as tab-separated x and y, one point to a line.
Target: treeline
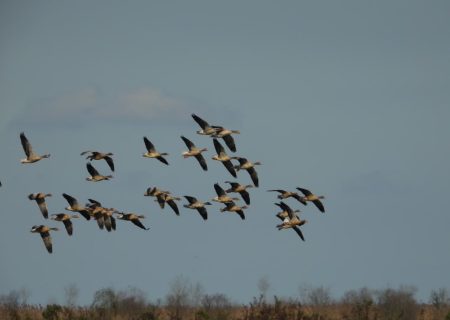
186	301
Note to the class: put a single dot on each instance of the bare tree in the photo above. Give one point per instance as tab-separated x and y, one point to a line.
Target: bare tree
398	304
182	295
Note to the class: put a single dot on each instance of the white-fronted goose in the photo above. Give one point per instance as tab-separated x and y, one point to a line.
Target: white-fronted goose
206	128
74	206
170	200
223	157
198	205
155	192
40	200
95	155
286	194
241	189
309	196
65	218
226	135
31	156
195	152
152	153
285	210
133	217
103	216
222	196
291	221
44	231
233	207
244	164
94	175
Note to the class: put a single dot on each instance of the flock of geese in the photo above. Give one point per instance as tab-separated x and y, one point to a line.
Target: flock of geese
106	217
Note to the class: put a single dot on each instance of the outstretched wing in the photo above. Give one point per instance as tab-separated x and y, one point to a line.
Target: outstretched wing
71	200
202	123
246	196
203	212
219	148
230	167
90	168
202	161
162	159
26	145
254	176
138	223
43	207
299	232
229	141
191	199
110	162
68	225
219	190
188	143
47	241
148	145
174	206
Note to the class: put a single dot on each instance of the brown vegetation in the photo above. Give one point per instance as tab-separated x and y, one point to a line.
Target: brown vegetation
187	301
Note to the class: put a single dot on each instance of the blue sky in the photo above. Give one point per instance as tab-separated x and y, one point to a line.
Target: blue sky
348	99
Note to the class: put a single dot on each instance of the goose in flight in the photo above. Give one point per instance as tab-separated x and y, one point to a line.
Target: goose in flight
250	167
241	189
309	196
286	194
95	155
40	200
206	128
222	196
133	217
94	175
291	220
226	135
152	153
233	207
223	157
194	152
44	231
198	205
65	218
31	156
74	206
163	198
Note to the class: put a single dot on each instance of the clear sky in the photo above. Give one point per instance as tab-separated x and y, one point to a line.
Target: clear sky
350	99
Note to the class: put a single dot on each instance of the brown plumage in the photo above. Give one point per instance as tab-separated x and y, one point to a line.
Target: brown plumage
133	217
28	149
65	218
95	155
40	200
309	196
44	231
152	153
286	194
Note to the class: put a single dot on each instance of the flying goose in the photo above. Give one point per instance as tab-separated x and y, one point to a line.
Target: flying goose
103	216
241	189
206	128
250	167
31	156
222	196
226	135
223	157
133	217
155	192
290	219
74	206
94	175
163	198
196	204
152	153
194	152
65	218
44	231
309	196
40	200
233	207
286	194
95	155
285	210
